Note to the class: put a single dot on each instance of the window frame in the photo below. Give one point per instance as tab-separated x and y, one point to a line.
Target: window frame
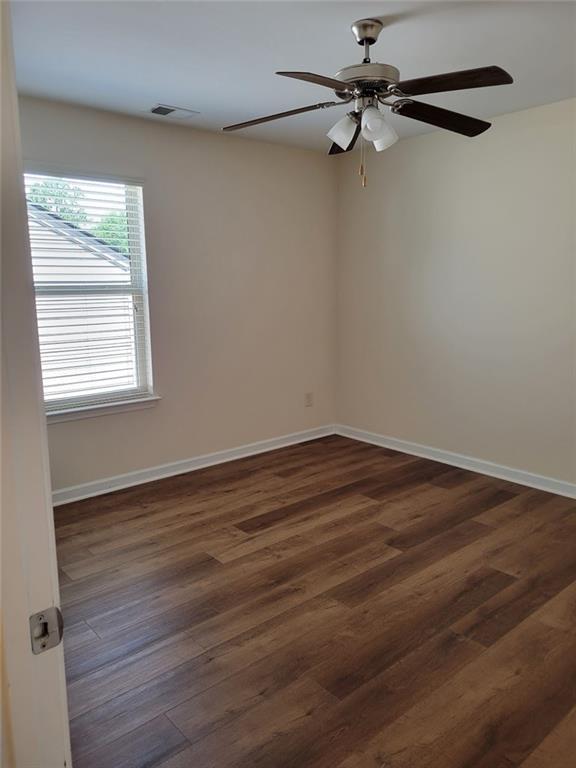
144	363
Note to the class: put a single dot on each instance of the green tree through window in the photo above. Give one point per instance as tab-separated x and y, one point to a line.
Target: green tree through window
60	197
65	200
113	229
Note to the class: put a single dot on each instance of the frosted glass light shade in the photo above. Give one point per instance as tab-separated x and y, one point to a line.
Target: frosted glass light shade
381	144
376	129
343	132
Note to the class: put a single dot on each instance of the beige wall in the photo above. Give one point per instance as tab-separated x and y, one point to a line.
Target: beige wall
455	304
456	292
240	261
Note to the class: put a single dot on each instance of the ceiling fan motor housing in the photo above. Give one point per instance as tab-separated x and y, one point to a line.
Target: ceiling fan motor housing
371	78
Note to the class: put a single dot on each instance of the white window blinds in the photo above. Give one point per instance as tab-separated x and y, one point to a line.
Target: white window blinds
89	264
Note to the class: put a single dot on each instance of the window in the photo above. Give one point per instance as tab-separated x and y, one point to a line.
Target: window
89	265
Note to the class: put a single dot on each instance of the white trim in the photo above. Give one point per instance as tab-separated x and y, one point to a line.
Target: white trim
40	168
102	409
520	476
98	487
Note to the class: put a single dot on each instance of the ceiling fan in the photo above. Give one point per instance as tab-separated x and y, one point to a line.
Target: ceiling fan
369	85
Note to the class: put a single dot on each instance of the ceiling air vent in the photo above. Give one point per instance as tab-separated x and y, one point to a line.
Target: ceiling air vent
179	113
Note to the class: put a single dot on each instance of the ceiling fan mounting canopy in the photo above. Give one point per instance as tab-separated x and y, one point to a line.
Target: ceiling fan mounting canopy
366	31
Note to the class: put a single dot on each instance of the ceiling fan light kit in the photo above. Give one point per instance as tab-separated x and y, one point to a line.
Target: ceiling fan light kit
375	128
344	131
386	141
371	85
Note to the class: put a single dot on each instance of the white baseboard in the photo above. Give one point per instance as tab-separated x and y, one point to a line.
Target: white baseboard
519	476
118	482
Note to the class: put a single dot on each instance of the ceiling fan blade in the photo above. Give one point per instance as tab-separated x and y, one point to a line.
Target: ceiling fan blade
442	118
329	82
337	150
455	81
278	115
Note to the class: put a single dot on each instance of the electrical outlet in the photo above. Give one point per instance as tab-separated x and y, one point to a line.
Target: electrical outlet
309	399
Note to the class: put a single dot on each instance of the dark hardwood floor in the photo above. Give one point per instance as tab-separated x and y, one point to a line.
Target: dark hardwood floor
327	605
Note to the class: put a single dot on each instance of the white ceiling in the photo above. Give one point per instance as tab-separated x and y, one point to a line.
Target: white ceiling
220	57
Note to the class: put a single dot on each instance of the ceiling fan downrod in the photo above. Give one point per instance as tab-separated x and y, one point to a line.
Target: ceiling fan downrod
366	32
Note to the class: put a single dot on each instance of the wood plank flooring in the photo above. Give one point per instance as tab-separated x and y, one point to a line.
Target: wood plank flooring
326	605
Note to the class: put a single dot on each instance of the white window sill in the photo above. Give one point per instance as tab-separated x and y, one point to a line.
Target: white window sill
91	411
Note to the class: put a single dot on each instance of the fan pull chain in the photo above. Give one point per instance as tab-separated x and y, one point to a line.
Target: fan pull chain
362	169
